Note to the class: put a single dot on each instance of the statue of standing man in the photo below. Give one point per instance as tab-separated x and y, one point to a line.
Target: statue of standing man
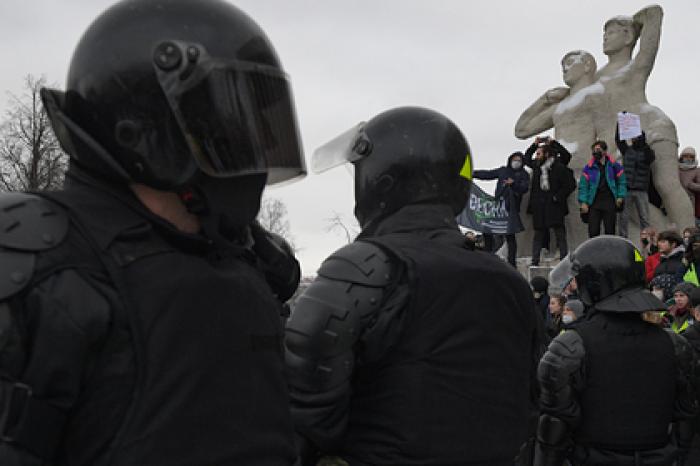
587	109
625	79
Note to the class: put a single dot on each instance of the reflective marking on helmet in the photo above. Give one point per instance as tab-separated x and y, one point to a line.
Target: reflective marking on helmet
467	168
638	256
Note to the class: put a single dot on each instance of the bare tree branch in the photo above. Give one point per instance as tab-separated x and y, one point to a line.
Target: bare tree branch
336	222
30	157
273	217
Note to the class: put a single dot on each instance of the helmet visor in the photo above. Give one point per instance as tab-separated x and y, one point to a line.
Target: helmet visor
561	275
237	117
349	146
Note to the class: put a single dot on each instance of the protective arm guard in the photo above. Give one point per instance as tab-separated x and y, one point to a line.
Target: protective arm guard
559	371
685	407
47	329
327	321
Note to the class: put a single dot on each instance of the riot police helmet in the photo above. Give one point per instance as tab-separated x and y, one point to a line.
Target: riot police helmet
171	92
609	272
403	156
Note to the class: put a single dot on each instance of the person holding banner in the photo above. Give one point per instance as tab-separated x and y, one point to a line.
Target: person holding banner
637	158
513	182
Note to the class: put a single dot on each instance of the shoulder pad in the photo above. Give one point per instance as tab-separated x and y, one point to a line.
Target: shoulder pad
16	268
361	263
568	343
30	223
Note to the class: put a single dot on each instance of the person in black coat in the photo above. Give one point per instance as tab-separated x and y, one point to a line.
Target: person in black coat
552	183
513	182
637	159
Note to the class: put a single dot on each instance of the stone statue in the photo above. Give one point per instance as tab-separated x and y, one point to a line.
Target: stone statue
624	79
587	110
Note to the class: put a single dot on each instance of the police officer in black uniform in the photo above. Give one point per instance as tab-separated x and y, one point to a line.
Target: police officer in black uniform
140	307
615	390
410	347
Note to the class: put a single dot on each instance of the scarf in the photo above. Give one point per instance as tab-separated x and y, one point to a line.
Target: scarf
688	165
544	177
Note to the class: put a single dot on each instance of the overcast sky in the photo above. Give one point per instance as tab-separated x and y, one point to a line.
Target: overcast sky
480	63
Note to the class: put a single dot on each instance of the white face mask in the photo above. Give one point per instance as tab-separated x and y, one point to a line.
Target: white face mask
658	293
567	318
516	165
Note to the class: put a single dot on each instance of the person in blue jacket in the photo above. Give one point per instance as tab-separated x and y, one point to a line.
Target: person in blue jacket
513	182
601	201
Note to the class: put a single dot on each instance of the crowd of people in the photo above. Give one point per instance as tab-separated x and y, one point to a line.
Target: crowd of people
610	191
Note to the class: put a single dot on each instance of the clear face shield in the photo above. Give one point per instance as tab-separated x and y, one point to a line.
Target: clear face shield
346	148
238	118
561	275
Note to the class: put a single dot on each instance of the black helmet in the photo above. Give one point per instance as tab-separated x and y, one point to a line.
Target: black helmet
169	92
609	272
403	156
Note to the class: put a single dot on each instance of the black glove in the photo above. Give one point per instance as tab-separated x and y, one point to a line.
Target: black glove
276	260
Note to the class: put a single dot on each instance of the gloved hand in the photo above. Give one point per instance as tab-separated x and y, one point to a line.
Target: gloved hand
276	260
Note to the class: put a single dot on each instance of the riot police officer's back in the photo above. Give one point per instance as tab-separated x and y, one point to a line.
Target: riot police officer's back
616	389
410	347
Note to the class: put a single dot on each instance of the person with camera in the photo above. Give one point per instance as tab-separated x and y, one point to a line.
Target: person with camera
637	158
552	183
601	190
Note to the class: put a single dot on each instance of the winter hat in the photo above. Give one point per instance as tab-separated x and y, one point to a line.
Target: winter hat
664	281
539	284
576	307
685	288
688	150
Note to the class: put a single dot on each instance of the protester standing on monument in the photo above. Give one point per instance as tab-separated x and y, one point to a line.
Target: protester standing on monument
513	182
689	174
637	158
390	359
552	183
140	313
601	190
612	386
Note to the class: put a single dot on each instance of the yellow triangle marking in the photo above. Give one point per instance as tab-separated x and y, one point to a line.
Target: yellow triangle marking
467	168
638	256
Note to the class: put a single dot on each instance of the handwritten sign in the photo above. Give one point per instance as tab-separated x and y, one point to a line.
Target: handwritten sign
629	124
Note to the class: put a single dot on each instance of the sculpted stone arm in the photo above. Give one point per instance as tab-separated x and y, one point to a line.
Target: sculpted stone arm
649	18
537	118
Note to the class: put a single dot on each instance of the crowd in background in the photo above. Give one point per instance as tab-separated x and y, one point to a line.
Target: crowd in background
610	192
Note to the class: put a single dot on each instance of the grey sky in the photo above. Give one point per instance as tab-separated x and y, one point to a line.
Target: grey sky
480	63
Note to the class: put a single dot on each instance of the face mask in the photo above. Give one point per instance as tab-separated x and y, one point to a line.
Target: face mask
567	318
645	241
516	165
597	155
659	294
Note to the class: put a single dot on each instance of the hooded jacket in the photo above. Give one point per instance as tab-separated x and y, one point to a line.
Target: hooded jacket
637	160
512	194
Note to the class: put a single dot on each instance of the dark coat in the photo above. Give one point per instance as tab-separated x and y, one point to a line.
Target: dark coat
637	160
511	193
548	208
671	265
